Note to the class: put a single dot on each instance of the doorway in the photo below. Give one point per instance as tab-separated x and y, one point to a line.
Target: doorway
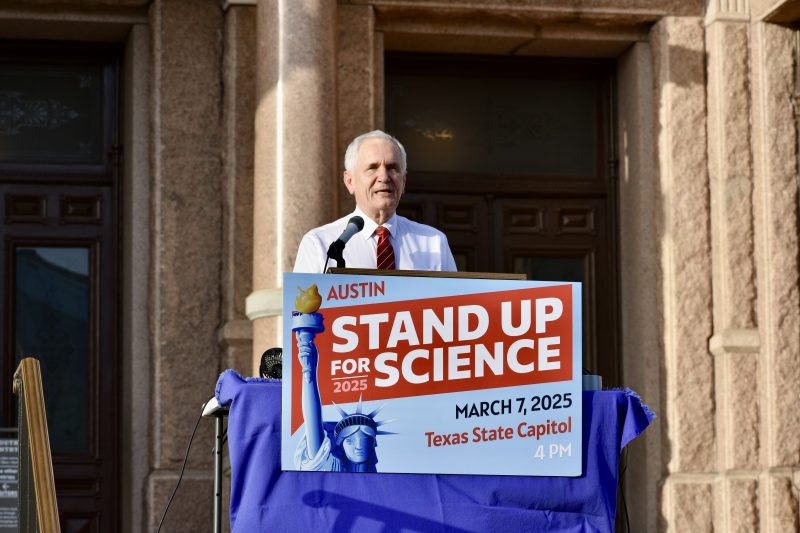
59	181
514	160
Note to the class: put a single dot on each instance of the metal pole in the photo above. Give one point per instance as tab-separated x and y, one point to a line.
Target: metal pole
218	475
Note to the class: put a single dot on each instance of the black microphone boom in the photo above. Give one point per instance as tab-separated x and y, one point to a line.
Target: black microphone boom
335	250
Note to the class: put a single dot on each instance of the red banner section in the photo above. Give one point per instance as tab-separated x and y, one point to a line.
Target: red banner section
440	345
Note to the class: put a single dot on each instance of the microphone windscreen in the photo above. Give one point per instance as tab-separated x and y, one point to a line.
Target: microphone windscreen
358	221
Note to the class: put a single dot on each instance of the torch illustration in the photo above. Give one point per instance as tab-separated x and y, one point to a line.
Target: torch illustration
306	323
350	447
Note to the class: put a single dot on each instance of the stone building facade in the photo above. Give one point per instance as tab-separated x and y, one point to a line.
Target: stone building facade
234	119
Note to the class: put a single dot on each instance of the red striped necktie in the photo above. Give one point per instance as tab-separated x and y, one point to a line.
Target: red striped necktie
385	249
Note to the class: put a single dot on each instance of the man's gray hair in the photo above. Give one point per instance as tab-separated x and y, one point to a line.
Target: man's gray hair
351	155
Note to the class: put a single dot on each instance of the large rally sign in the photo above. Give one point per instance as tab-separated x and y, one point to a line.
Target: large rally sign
431	375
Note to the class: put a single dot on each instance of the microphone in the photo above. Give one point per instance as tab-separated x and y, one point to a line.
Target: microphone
354	225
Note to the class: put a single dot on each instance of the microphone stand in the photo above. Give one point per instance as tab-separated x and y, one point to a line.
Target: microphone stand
335	251
212	409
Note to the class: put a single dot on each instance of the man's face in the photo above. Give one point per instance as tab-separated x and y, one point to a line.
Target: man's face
377	181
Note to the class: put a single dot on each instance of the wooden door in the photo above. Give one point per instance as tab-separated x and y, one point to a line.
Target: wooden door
59	255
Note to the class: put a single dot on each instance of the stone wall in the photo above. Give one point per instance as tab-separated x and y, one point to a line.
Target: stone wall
186	253
776	236
682	213
734	343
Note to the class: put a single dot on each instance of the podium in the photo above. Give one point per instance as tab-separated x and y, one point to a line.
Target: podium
264	498
432	350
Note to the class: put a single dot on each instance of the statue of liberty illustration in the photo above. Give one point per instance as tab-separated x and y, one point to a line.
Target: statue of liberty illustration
344	446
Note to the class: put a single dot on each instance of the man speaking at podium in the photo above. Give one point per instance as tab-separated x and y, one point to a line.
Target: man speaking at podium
375	173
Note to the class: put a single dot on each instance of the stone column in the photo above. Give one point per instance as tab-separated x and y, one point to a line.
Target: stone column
735	339
238	129
776	229
185	254
685	254
359	84
295	175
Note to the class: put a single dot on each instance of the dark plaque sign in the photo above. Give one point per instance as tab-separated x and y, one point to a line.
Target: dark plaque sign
9	478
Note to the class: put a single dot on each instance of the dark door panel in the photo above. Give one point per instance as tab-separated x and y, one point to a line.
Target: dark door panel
463	218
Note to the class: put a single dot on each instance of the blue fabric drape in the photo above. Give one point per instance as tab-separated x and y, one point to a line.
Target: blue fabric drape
263	498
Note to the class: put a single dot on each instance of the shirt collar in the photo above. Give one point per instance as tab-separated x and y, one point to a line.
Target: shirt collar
370	225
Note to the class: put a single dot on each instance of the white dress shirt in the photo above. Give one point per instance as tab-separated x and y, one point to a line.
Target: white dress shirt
416	246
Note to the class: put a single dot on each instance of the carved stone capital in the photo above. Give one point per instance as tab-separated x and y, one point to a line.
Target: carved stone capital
727	11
